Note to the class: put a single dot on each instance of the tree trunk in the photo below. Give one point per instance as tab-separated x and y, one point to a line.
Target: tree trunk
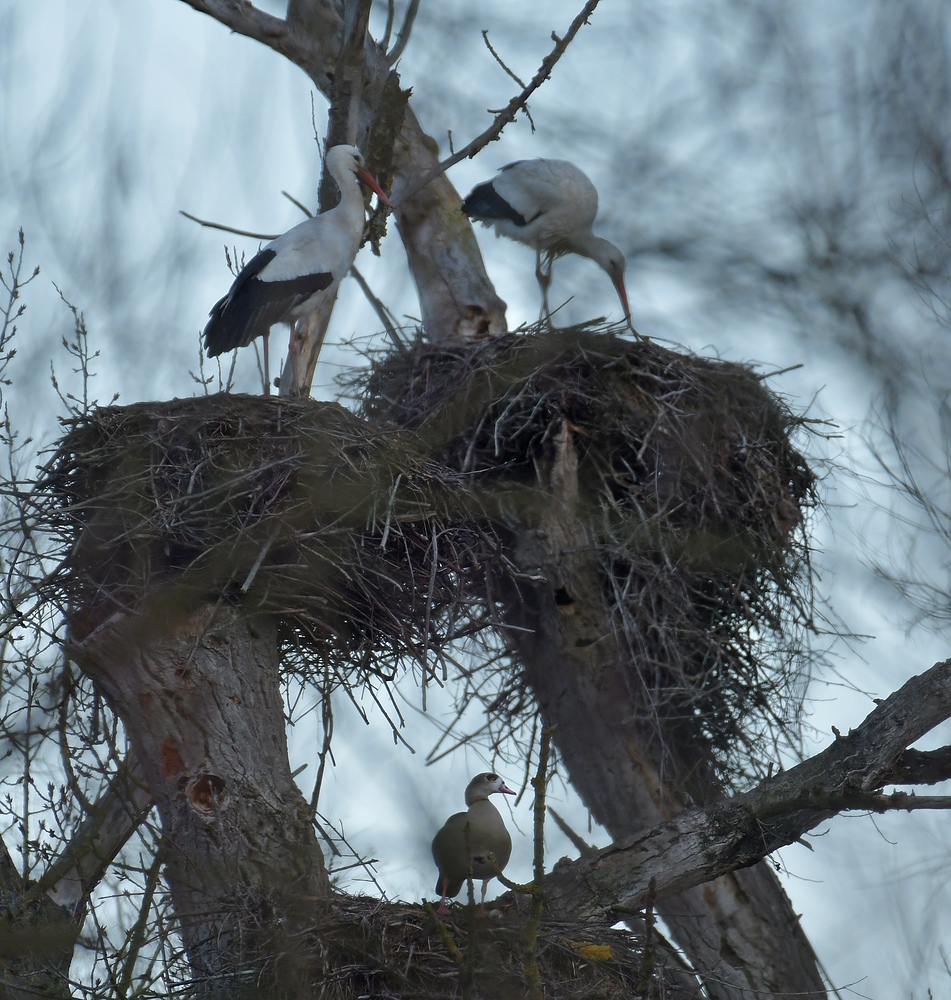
457	301
36	940
740	930
201	702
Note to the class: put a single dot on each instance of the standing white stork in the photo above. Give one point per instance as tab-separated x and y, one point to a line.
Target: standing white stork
549	205
290	276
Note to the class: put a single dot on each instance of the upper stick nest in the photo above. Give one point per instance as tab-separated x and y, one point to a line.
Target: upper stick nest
690	489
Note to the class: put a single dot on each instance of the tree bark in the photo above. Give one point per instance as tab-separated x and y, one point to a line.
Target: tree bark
36	940
740	931
201	702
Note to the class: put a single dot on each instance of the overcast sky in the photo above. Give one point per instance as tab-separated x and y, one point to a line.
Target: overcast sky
117	114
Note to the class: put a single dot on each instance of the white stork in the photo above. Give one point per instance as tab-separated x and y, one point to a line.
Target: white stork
290	276
549	205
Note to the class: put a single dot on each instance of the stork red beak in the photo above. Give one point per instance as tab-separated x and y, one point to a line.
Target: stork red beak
505	789
367	178
622	295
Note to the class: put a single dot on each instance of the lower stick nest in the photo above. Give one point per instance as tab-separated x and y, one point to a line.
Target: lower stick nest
395	951
294	508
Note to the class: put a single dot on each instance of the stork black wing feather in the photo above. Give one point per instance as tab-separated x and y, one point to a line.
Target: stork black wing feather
253	305
484	202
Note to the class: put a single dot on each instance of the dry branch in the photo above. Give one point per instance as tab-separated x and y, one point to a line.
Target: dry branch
111	821
700	845
518	103
457	300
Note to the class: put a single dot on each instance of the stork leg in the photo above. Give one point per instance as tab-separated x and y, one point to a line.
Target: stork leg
267	368
544	280
485	885
293	355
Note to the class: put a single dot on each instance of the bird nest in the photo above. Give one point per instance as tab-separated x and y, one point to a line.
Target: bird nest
294	508
386	950
377	540
690	490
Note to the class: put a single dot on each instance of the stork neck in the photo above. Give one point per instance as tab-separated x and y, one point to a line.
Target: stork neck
595	248
351	197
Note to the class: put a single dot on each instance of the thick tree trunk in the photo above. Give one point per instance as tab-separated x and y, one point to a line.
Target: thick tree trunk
740	931
36	939
201	702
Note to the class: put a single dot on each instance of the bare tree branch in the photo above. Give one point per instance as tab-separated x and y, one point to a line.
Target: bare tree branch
702	844
227	229
245	19
921	767
94	846
405	31
509	112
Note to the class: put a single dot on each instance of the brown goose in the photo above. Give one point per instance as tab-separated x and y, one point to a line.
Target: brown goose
478	834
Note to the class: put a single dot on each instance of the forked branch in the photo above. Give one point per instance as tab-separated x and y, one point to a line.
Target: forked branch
702	844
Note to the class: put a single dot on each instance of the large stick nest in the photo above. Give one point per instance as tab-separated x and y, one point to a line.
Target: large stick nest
295	508
692	496
375	539
397	951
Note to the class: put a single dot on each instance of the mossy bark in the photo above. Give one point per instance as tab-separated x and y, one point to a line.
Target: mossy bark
201	702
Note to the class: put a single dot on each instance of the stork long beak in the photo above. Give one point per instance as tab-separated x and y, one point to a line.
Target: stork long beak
622	295
367	178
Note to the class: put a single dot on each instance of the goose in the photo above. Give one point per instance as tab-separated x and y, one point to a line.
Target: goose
478	835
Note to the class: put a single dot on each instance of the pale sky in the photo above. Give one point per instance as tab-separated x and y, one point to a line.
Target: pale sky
116	115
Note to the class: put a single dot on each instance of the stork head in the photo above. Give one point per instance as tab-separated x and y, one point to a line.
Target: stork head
348	158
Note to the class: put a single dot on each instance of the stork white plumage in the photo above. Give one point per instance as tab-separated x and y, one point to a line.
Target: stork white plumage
549	205
291	275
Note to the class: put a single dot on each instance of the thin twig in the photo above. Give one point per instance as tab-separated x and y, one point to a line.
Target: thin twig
539	784
298	204
498	59
227	229
510	111
383	314
405	31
